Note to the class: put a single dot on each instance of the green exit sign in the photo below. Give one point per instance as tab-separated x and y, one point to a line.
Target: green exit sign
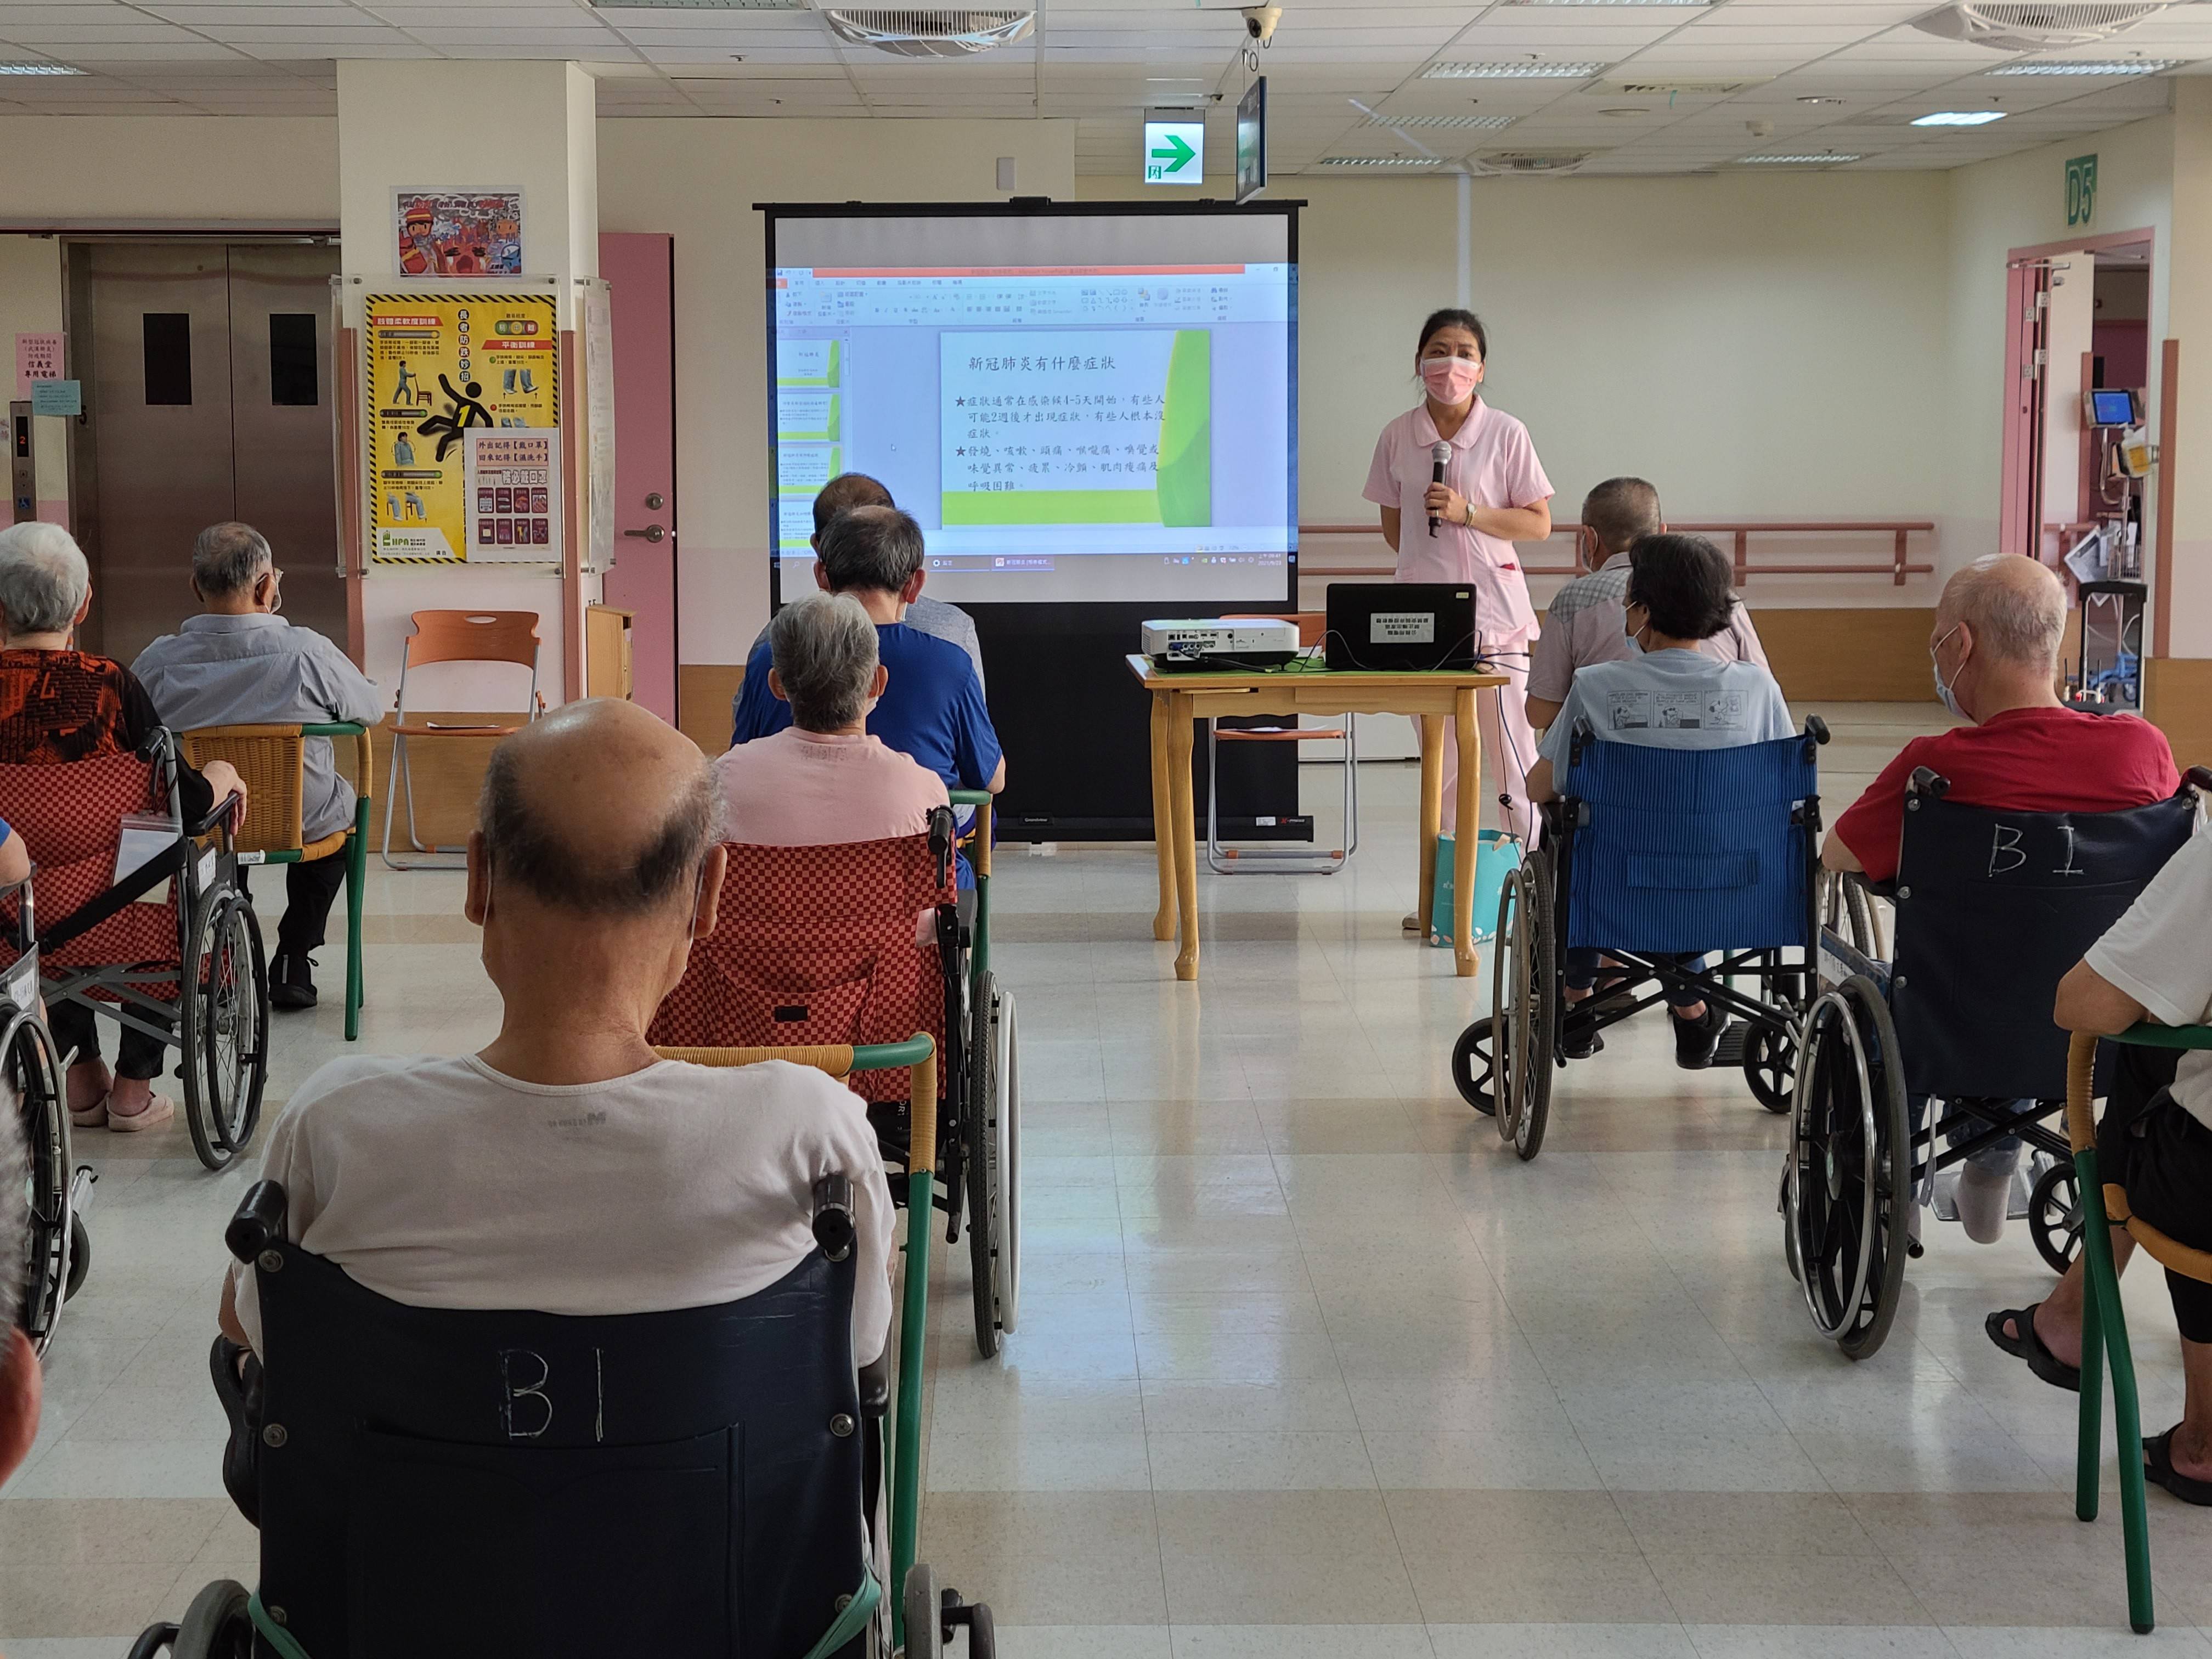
2080	190
1174	152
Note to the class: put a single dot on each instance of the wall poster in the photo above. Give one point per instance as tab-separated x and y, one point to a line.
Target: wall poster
458	233
514	490
437	368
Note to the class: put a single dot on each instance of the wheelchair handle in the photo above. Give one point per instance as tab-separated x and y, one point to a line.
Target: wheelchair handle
1816	728
2198	777
258	1223
833	1215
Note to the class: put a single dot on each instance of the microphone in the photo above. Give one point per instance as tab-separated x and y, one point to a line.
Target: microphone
1438	457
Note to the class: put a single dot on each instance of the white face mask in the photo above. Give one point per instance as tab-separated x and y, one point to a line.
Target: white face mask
1635	635
1950	698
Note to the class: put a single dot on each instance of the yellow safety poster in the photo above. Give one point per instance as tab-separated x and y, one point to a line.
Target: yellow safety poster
438	367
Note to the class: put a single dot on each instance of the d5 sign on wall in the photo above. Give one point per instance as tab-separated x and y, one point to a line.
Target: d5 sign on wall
1174	152
2080	190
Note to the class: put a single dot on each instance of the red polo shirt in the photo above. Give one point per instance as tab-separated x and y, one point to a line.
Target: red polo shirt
2032	760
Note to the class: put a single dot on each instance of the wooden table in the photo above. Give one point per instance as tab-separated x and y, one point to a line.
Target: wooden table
1180	699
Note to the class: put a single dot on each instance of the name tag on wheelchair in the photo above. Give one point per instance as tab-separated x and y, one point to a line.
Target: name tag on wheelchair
144	837
20	987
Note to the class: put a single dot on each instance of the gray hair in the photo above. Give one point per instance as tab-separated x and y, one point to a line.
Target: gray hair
14	1207
874	549
520	846
2020	616
43	579
229	558
824	646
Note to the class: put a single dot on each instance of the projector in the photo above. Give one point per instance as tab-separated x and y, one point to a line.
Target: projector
1212	641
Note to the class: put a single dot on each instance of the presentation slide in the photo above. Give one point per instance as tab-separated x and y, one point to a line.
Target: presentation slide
1095	406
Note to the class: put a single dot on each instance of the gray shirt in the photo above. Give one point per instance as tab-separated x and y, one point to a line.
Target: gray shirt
933	617
259	670
1584	623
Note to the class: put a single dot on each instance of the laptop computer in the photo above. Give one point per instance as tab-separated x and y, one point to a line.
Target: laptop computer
1402	625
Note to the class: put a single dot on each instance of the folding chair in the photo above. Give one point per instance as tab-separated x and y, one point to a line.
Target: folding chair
2104	1321
453	636
273	761
1286	861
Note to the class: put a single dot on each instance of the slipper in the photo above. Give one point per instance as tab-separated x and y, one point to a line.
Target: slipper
2158	1468
159	1110
2028	1347
1411	924
92	1116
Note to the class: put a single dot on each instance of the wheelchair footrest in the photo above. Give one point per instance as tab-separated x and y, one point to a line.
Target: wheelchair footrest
1735	1038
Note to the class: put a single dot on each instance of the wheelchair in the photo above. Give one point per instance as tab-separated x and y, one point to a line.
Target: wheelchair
119	948
1652	857
58	1250
703	1481
817	944
1991	908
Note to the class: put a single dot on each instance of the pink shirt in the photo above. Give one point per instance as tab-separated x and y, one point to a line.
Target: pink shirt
1493	464
812	789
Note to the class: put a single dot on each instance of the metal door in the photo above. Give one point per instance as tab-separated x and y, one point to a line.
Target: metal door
282	412
209	396
158	427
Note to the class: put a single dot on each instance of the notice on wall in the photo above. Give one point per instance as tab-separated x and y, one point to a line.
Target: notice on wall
63	398
436	370
38	357
457	233
514	496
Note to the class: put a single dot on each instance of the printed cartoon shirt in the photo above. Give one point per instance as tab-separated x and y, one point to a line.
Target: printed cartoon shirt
1669	700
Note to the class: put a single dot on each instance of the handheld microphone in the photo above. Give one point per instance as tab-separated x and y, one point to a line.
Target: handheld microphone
1439	456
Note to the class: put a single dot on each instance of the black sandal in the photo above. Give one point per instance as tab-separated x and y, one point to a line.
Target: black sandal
2158	1468
2028	1347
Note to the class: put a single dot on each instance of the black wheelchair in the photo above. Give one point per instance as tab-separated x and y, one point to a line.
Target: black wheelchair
1654	857
1992	906
58	1250
701	1482
172	949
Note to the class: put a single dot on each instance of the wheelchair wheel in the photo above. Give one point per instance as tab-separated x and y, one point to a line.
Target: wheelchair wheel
1524	1004
216	1626
1770	1066
925	1631
1474	1066
80	1259
51	1270
992	1125
2054	1215
1849	1192
226	1029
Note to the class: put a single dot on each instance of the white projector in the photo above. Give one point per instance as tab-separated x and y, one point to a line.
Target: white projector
1212	641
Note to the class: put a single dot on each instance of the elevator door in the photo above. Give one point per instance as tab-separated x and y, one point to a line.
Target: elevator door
209	398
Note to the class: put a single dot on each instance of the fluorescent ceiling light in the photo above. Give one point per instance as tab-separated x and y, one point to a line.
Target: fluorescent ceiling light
700	5
1452	122
1959	117
1793	161
2087	66
1513	71
38	69
1379	161
1608	2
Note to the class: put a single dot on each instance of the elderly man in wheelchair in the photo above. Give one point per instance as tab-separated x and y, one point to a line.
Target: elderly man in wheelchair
564	1346
1680	814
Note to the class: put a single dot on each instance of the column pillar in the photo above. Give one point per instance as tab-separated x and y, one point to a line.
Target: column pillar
473	126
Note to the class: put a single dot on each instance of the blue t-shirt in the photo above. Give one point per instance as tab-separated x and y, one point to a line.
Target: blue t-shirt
932	710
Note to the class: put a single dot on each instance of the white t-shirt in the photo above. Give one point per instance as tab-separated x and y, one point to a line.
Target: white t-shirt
1669	700
2160	954
437	1181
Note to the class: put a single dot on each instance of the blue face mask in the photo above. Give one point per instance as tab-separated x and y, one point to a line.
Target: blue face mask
1950	698
1635	636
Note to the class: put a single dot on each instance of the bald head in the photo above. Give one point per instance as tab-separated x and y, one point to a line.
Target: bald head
599	808
2015	608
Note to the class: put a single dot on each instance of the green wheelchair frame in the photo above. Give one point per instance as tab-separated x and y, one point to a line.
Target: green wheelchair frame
2104	1323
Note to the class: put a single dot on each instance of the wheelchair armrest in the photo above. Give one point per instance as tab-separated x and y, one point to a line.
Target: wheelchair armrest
876	1386
215	815
259	1224
833	1215
1880	889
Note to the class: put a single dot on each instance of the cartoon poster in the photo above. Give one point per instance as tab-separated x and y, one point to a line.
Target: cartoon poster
458	232
436	368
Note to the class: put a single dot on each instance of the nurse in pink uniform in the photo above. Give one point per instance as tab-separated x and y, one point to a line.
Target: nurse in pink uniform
1494	494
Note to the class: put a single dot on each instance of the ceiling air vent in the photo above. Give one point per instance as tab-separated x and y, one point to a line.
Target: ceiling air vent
1532	161
909	32
1714	86
2036	25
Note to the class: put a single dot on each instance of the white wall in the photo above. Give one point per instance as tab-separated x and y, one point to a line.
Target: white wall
697	180
131	171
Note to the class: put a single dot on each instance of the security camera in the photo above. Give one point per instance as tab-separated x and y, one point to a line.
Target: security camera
1259	22
1760	128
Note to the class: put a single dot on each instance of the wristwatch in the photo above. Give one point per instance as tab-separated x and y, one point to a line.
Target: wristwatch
1469	521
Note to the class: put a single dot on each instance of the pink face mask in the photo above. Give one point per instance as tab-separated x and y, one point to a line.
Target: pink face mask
1449	380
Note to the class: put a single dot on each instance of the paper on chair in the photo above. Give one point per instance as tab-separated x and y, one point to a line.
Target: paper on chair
145	836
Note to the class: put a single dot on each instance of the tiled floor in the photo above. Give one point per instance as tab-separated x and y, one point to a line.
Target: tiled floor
1309	1364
